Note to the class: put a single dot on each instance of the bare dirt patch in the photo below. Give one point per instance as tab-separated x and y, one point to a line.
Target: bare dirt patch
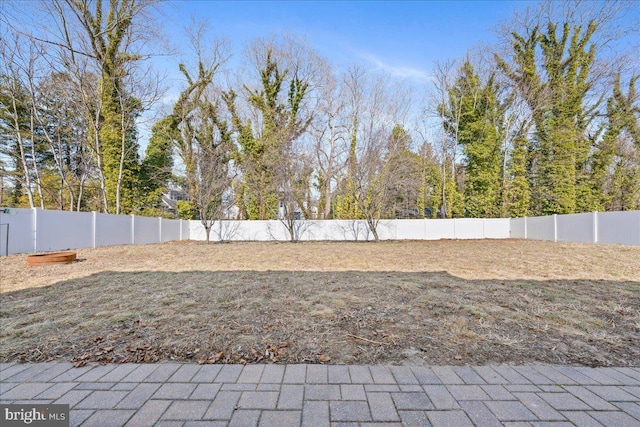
443	302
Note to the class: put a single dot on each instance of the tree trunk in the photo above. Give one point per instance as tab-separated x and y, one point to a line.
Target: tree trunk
23	158
374	230
80	191
291	226
98	153
121	165
327	199
35	163
207	231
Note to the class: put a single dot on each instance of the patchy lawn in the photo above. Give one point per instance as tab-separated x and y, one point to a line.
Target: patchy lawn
439	302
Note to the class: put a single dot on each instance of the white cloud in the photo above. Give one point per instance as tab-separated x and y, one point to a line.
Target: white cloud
396	70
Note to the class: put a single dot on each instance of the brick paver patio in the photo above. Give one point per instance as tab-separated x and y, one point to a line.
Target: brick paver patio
171	394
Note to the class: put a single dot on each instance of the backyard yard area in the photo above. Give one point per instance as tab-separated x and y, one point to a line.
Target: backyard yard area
429	302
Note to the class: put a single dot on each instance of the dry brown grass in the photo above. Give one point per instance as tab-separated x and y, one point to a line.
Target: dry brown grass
467	259
446	302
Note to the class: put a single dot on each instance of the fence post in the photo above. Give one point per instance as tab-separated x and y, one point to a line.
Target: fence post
525	228
638	241
94	219
34	227
424	229
133	229
454	229
555	227
159	230
180	228
595	227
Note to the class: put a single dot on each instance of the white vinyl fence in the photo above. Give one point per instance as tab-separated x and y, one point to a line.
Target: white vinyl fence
39	230
595	227
396	229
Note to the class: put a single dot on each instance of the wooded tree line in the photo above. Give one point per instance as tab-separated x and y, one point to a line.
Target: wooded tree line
546	121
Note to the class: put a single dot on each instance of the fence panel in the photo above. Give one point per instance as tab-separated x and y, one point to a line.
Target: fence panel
223	231
185	230
436	229
518	228
196	230
346	229
227	230
18	223
386	229
541	228
145	230
240	230
269	230
496	228
576	228
619	227
77	226
411	229
112	230
468	228
170	230
309	230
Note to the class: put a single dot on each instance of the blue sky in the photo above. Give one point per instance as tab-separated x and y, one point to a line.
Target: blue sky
403	38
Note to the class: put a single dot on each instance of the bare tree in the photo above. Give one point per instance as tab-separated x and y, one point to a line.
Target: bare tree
213	196
372	177
19	61
57	124
329	133
376	107
293	173
444	106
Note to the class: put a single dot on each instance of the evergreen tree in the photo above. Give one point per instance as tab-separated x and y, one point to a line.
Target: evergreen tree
14	117
517	191
622	142
428	196
477	111
263	146
406	179
556	92
157	165
346	204
107	33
